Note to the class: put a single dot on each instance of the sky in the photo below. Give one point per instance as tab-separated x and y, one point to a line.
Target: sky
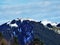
34	9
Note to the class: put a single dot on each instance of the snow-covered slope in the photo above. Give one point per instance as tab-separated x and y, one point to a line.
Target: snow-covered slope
45	22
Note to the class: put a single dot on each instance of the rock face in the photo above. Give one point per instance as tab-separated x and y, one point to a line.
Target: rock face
49	25
26	31
58	25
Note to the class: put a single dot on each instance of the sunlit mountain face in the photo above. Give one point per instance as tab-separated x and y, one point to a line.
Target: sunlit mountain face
29	32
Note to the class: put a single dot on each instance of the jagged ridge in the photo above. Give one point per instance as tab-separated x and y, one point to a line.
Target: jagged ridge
28	30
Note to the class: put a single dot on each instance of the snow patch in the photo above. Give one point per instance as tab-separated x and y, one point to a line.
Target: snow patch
8	22
28	19
58	31
13	25
45	22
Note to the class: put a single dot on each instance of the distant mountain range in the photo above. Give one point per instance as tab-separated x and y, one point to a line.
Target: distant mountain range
26	30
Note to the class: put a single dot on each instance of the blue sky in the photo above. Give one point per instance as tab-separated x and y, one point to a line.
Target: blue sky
34	9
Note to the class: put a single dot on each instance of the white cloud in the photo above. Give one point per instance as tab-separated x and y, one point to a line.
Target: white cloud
18	12
57	17
37	9
0	13
3	21
28	8
27	5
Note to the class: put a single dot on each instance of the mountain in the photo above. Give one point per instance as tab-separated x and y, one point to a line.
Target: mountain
28	30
